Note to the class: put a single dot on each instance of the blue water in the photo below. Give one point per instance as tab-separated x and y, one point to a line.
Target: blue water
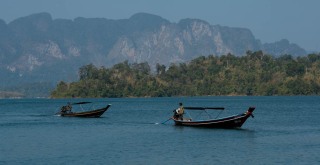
285	130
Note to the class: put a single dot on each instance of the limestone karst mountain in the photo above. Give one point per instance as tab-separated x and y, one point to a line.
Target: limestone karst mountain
37	48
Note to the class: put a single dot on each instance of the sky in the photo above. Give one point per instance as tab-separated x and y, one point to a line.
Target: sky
269	20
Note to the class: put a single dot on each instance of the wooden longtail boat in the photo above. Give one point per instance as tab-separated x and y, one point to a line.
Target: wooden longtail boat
235	121
66	111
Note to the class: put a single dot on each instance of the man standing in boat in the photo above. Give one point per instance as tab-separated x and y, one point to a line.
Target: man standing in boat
178	113
66	108
69	107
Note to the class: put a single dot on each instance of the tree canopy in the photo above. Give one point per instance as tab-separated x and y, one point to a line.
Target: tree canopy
255	73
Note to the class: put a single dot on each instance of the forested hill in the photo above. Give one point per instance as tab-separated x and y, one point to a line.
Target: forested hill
253	74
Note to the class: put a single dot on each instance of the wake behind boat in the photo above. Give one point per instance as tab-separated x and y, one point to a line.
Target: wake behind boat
235	121
66	111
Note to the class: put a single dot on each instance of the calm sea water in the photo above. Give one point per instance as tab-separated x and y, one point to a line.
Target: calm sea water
285	130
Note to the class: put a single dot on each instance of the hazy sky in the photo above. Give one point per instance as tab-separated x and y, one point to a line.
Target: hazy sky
269	20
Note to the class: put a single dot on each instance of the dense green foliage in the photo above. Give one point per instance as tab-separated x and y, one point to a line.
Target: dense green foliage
253	74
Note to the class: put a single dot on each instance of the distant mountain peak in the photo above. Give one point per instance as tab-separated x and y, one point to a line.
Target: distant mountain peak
44	16
145	16
283	47
145	21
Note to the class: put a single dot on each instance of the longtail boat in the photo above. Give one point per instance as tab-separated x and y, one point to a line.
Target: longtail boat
235	121
66	111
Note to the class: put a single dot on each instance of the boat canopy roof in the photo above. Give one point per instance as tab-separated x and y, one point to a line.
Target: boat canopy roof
204	108
84	102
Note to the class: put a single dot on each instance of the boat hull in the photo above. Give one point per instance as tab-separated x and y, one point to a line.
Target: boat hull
235	121
91	114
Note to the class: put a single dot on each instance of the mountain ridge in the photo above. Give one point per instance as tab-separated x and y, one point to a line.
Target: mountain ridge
35	45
